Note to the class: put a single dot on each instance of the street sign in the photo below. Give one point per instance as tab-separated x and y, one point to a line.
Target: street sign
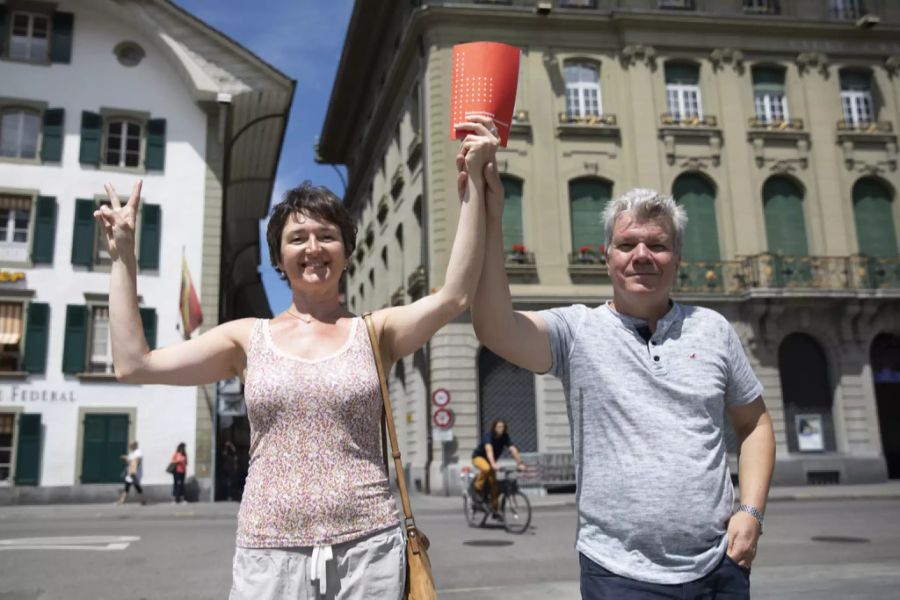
443	418
442	435
440	397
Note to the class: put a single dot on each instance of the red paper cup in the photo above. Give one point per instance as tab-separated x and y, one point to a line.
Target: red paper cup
485	76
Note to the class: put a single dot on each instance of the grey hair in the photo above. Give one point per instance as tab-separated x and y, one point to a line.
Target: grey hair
643	204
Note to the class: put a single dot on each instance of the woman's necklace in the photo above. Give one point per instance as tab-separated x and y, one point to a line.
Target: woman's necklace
307	319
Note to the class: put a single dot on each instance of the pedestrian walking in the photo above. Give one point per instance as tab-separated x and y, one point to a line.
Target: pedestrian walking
317	518
648	382
178	464
133	473
228	466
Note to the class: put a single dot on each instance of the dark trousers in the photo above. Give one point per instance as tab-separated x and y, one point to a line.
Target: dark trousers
178	486
727	581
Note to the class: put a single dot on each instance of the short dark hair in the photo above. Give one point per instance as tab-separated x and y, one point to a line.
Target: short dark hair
494	426
316	201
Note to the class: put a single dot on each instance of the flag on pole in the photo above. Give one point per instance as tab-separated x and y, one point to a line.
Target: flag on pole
189	303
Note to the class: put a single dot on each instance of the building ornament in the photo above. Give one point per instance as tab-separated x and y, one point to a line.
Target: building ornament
813	61
892	65
722	56
634	53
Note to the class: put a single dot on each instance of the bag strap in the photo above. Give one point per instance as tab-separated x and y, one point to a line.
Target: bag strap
388	419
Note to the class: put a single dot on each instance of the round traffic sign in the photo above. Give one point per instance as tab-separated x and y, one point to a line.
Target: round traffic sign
440	397
443	418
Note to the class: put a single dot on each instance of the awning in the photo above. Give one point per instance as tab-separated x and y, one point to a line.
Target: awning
10	323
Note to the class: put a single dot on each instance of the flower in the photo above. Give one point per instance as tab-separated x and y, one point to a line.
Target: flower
518	247
602	248
586	250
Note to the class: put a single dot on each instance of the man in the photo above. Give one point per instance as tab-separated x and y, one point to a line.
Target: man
647	382
134	472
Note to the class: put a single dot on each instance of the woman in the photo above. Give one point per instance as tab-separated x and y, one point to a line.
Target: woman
486	455
179	458
317	516
134	472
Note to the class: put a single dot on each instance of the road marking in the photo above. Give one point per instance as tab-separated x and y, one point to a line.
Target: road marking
103	543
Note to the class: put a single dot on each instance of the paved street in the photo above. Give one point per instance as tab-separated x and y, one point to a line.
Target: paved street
824	549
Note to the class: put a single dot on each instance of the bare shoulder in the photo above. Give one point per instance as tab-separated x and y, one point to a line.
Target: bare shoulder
237	331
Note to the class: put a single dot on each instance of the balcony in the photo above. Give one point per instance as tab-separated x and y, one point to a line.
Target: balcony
876	127
587	266
780	125
774	133
520	266
867	134
591	125
670	120
673	127
415	283
772	274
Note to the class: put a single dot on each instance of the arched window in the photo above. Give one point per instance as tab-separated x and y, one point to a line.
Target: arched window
513	230
807	396
587	199
582	89
701	238
873	212
507	392
683	91
785	223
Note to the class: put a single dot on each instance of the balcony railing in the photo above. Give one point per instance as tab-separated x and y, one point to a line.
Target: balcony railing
587	258
670	120
602	120
866	126
516	257
779	125
775	271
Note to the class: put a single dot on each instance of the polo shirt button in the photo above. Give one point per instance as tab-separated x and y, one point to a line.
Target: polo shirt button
656	358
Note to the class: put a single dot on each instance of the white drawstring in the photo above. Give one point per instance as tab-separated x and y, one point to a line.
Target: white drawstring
317	566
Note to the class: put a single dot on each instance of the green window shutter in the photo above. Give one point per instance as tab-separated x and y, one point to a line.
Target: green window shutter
148	318
873	212
150	235
768	80
52	135
587	199
37	333
785	223
156	145
28	450
91	133
44	242
83	233
512	213
682	73
701	237
75	344
105	440
61	37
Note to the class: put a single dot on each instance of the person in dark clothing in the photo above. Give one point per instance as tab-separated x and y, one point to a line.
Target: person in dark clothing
229	472
485	457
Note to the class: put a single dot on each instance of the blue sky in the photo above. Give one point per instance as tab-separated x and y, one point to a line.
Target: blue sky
303	39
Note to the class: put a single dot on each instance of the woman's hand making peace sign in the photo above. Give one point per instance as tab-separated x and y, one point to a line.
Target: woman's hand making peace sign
118	221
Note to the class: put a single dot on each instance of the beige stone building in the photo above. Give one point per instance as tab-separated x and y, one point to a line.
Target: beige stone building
771	122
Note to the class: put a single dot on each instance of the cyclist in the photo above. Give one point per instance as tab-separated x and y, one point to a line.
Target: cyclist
485	458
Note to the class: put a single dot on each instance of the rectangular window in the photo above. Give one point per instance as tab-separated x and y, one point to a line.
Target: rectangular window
7	429
19	132
101	254
29	37
857	105
15	219
761	6
846	9
100	346
768	95
11	328
122	143
582	90
685	4
683	101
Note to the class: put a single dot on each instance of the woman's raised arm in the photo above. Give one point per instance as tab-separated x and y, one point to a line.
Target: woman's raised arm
217	354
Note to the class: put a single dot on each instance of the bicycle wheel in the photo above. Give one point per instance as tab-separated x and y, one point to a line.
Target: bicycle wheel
471	512
516	511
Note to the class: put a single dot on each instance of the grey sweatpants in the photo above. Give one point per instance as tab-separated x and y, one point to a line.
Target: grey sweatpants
370	567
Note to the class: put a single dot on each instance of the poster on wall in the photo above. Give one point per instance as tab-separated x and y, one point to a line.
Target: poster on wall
810	437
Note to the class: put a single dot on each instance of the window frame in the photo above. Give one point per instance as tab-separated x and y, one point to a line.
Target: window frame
112	115
14	411
18	371
108	367
852	102
680	92
11	104
104	265
846	9
580	90
32	196
31	14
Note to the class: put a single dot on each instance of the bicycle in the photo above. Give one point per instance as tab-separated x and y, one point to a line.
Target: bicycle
515	508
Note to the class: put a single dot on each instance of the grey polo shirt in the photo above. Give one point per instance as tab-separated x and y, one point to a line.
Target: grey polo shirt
647	417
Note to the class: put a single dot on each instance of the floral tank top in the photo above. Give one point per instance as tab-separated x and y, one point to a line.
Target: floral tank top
317	475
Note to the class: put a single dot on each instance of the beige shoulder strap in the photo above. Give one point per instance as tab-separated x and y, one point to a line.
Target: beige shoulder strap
409	521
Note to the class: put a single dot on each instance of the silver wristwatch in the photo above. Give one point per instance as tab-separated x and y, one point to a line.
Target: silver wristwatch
753	511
